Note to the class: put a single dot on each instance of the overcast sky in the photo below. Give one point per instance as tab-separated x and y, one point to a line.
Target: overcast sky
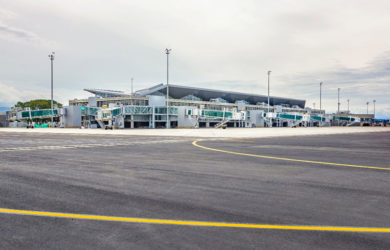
227	45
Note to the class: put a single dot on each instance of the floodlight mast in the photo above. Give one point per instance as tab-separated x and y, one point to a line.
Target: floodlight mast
338	98
269	118
132	93
269	73
51	57
167	51
321	95
321	102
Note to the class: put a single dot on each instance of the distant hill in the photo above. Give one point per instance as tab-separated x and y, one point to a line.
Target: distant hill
3	109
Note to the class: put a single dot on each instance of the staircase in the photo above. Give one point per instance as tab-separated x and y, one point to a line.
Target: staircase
296	123
220	124
101	124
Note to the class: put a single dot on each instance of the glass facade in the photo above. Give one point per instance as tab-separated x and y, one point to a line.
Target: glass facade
39	113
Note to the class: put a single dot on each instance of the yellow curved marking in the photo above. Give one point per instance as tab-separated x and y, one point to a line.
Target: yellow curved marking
195	143
194	223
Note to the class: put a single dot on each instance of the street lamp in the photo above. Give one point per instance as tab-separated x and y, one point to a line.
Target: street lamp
132	86
321	95
338	98
51	57
348	105
321	102
367	107
269	73
167	51
374	101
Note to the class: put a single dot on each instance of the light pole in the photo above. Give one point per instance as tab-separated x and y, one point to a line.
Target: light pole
314	105
167	51
321	103
367	107
269	73
132	86
374	101
338	98
348	105
51	57
269	118
320	96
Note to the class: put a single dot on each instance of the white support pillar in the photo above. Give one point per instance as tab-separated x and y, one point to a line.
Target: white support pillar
153	118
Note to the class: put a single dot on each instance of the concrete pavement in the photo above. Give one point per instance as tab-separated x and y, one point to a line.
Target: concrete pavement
170	178
207	132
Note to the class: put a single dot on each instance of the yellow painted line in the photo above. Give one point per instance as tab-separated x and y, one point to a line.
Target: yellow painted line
195	143
193	223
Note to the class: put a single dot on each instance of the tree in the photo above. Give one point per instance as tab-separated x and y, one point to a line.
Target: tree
37	104
22	104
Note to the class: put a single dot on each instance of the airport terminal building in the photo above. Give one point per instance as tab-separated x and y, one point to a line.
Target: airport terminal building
186	107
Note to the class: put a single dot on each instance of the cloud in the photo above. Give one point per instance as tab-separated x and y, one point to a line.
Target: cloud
218	44
9	32
359	85
12	33
17	33
7	14
29	38
10	94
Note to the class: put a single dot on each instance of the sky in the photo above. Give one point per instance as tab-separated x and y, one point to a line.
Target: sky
219	44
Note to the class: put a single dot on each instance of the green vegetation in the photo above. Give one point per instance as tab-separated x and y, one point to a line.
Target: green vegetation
37	104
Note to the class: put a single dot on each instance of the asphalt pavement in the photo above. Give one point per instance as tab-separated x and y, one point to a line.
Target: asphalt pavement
325	181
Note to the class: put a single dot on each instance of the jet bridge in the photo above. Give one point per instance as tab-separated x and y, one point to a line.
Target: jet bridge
110	117
37	114
345	120
216	118
38	118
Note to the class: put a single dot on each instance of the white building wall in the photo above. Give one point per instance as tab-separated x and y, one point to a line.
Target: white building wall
72	118
184	120
256	118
